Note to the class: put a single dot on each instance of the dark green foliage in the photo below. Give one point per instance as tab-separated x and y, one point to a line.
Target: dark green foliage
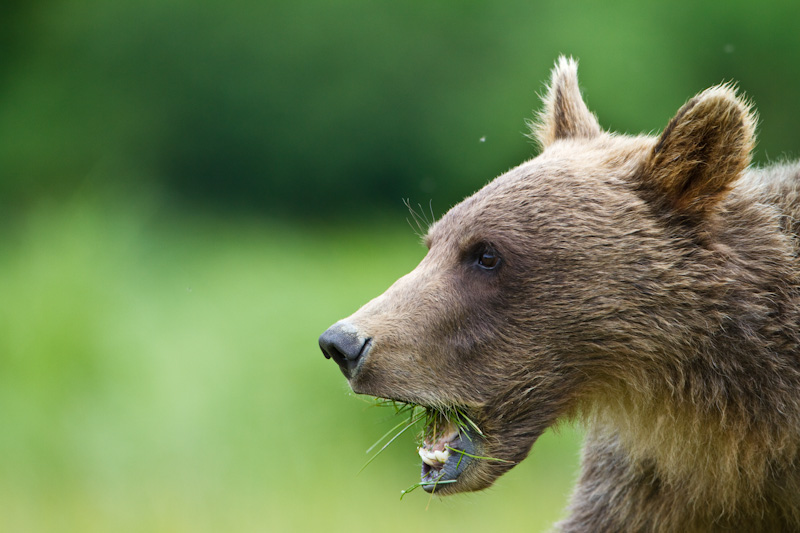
319	108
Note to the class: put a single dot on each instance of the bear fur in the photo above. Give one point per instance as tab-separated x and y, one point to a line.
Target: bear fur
647	287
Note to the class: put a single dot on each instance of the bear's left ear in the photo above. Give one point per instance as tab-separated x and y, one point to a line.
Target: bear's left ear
565	115
703	150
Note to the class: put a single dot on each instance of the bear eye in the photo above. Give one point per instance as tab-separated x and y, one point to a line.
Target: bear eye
488	259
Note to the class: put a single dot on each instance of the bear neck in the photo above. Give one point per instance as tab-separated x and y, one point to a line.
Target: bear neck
716	417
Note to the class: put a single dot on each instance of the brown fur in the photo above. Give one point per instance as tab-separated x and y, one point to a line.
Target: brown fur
649	287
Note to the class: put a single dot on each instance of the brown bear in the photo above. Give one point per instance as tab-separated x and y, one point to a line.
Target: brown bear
647	287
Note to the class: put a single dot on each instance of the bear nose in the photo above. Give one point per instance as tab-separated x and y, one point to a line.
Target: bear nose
342	343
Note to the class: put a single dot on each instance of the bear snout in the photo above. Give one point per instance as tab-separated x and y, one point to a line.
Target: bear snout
342	343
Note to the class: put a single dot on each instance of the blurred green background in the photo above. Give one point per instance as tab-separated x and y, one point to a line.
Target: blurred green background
191	192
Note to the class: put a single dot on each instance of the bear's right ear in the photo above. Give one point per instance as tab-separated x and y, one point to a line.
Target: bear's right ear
703	150
565	115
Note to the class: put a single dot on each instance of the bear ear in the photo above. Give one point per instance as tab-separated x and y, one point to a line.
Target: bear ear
565	115
703	150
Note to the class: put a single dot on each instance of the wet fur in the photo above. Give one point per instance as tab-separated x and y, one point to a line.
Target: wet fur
649	288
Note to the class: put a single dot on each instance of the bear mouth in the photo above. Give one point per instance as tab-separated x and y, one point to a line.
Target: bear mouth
447	450
448	443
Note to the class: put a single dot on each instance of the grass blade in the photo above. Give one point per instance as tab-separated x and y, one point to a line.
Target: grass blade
415	486
462	452
410	424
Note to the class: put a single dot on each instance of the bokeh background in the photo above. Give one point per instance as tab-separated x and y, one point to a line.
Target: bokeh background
192	191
